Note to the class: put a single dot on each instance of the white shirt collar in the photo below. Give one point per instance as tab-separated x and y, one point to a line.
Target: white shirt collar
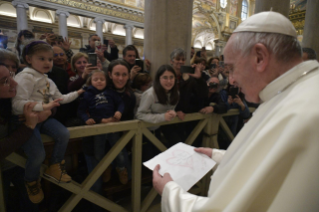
287	78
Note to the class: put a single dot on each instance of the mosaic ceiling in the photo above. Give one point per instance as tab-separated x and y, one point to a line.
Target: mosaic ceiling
299	3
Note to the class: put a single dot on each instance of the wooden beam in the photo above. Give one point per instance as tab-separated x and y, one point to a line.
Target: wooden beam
137	170
154	140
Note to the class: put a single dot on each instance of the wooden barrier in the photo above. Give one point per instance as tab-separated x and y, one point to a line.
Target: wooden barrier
134	129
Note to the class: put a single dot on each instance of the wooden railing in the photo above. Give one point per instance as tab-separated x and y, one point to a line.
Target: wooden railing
132	130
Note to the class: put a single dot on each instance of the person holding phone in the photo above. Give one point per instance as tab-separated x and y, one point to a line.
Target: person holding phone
103	54
234	99
130	55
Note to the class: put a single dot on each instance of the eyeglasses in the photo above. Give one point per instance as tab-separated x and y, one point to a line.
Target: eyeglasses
168	78
7	80
61	55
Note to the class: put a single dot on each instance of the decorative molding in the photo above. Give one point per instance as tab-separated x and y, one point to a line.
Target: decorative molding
99	19
62	12
20	4
128	26
106	9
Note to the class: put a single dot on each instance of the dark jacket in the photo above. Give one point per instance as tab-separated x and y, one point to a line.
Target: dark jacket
129	100
218	104
193	95
109	56
99	104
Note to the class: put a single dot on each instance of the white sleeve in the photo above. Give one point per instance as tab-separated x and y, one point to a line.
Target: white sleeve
24	91
174	199
144	110
66	97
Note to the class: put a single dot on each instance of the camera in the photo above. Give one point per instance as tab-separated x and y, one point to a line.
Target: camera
213	85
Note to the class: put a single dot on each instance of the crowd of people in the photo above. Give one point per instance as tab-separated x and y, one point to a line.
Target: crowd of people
46	88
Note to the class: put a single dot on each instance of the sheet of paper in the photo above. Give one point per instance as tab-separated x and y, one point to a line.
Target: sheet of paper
185	166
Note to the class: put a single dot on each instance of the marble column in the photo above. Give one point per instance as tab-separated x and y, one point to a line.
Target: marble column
282	6
22	18
128	38
63	28
168	25
99	27
311	30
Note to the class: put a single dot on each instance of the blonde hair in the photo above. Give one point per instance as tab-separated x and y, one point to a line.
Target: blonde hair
76	57
89	80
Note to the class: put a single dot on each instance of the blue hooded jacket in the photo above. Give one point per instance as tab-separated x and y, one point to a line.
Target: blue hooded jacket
98	104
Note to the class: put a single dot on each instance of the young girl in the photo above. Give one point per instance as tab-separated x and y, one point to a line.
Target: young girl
158	103
35	86
101	105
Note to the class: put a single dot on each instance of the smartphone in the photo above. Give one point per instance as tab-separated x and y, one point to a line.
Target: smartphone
140	63
93	59
106	42
233	92
187	69
3	41
221	64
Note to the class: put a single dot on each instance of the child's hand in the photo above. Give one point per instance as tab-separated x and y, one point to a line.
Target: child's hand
90	121
80	91
117	115
54	103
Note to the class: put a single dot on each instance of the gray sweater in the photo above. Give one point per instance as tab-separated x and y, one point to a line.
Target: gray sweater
150	110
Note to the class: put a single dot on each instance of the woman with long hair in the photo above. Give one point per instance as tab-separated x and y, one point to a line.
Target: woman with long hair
158	103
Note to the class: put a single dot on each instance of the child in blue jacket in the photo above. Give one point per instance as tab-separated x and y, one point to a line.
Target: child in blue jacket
102	105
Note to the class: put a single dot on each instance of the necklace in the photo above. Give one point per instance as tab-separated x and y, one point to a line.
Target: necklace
302	75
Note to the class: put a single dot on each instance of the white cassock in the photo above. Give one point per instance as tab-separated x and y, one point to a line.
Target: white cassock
272	165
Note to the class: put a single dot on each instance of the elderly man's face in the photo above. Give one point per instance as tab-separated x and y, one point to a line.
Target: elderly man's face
242	72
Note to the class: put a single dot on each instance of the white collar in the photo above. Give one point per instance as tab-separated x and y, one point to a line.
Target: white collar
287	79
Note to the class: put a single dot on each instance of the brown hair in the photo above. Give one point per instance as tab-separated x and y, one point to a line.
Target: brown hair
89	80
159	90
76	57
200	60
141	79
33	47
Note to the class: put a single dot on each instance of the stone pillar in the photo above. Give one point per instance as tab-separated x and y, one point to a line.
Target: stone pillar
282	6
168	25
85	38
99	27
63	28
128	38
22	18
311	30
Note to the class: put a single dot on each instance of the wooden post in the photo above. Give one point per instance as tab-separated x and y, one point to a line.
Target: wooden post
137	170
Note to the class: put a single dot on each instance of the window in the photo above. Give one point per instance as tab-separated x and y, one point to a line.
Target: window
244	10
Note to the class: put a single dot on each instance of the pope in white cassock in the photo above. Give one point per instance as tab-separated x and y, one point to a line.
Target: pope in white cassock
272	164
